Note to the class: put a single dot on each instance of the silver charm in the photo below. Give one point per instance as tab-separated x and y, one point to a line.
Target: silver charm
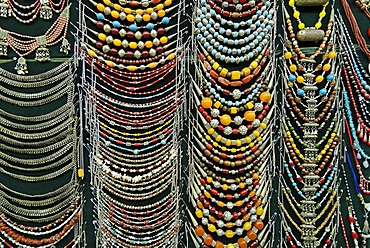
42	53
3	43
65	47
46	12
4	9
21	66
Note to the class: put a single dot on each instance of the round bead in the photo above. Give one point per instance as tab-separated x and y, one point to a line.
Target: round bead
250	115
199	231
229	234
206	103
208	240
265	96
225	120
211	228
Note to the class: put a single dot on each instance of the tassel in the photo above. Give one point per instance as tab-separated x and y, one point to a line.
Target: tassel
65	47
3	43
46	12
21	66
365	230
42	54
4	8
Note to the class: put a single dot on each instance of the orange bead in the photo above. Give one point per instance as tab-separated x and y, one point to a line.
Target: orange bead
265	96
219	244
250	115
259	224
208	240
229	225
199	231
206	102
242	243
212	219
225	120
251	235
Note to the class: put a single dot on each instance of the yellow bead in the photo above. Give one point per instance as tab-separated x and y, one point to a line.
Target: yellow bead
287	55
318	25
132	45
167	2
243	148
225	187
130	18
117	7
291	3
91	53
107	2
148	44
217	104
293	68
241	185
246	71
211	228
256	133
211	131
247	226
146	17
250	105
220	204
319	78
254	64
251	145
233	110
149	10
163	40
102	37
248	139
127	10
263	125
259	138
209	179
301	156
296	14
218	138
80	173
228	142
139	12
235	75
322	14
300	79
319	156
229	234
288	133
259	211
215	144
255	176
208	137
117	42
100	7
230	246
333	135
152	65
199	213
171	56
160	6
215	65
330	141
207	194
239	203
223	148
233	150
110	63
331	55
161	13
238	142
301	25
131	68
223	72
326	67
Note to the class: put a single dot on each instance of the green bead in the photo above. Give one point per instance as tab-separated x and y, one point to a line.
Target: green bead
330	190
330	129
299	207
334	119
291	128
323	138
297	137
317	145
287	118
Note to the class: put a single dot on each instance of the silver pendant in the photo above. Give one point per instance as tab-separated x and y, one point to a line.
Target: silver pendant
65	47
46	12
42	54
21	66
4	9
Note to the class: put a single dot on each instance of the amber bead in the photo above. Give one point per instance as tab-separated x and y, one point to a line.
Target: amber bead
199	231
242	243
208	240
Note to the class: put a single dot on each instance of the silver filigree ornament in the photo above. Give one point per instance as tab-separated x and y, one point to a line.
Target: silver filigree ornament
3	43
236	94
238	120
214	123
21	66
42	53
228	130
5	11
46	12
65	47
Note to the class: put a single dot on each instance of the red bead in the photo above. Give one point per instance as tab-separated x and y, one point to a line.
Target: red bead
351	219
235	131
203	181
212	210
159	49
214	192
220	214
114	31
226	13
229	197
255	183
99	24
202	197
354	235
254	199
99	44
242	211
243	192
206	204
289	238
145	54
328	241
249	206
293	246
235	215
161	31
299	179
130	34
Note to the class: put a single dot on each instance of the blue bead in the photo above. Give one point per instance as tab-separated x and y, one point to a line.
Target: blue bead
165	20
330	77
232	60
268	4
262	34
208	26
269	17
223	57
204	10
239	51
290	175
330	178
220	47
247	47
255	33
211	22
249	22
262	25
363	82
286	165
250	97
236	25
244	101
230	103
203	2
222	31
259	86
324	186
323	92
255	91
100	16
213	13
133	27
215	34
214	51
259	49
365	164
248	31
242	59
206	45
217	95
107	143
225	40
202	16
212	90
229	51
299	192
250	55
300	92
259	12
136	151
237	103
294	184
335	169
235	34
223	21
236	42
206	33
208	84
116	24
318	194
212	41
163	142
222	100
265	41
292	78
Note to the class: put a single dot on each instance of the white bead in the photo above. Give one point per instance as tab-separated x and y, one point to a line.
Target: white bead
140	45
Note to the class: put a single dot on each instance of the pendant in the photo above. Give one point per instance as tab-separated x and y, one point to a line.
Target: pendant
65	47
308	34
4	8
45	12
42	54
21	66
3	43
310	2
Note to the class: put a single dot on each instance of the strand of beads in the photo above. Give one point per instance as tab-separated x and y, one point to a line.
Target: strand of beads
135	86
230	124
